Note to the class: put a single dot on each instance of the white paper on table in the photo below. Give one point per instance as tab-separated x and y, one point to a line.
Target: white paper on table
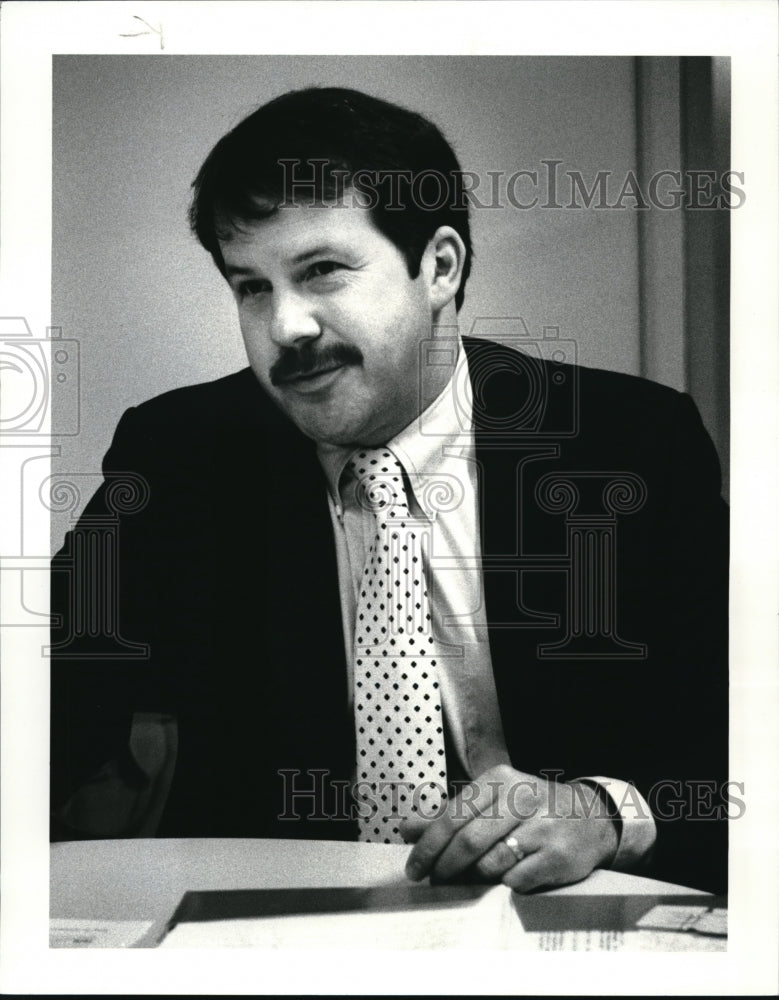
486	922
614	940
670	917
713	922
69	933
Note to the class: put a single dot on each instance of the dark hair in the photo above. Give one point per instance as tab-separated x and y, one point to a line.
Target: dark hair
327	140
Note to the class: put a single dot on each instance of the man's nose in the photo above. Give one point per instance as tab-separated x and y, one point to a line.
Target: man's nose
293	319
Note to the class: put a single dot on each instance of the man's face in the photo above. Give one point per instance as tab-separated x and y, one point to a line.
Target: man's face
331	320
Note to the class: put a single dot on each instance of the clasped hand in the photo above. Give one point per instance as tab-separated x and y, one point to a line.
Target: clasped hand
515	828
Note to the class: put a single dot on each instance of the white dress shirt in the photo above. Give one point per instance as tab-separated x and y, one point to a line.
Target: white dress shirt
437	452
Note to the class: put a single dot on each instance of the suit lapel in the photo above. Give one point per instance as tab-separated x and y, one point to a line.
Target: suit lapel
289	567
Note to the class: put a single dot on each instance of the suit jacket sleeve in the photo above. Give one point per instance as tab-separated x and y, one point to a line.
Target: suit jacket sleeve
100	669
655	718
687	726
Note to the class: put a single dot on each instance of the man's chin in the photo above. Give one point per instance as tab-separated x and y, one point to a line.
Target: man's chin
335	437
335	430
329	419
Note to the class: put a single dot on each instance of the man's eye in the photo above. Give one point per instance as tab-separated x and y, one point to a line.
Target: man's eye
322	268
248	289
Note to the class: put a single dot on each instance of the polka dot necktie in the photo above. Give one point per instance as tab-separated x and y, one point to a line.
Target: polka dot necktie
401	760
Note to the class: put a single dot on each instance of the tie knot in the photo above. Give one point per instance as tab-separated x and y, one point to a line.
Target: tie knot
379	475
370	463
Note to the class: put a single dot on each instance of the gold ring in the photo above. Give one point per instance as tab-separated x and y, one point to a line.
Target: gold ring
513	845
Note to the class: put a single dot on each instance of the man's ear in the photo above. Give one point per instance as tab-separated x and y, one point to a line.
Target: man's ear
442	266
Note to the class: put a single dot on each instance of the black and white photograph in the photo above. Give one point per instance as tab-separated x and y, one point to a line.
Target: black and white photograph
389	559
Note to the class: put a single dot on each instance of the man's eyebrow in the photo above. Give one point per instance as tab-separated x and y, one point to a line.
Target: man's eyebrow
231	269
321	250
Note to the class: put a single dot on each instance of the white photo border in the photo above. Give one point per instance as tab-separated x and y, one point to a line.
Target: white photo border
746	32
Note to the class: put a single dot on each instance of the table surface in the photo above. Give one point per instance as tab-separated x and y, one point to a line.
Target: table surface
145	879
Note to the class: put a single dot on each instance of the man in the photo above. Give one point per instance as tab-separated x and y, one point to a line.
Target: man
394	583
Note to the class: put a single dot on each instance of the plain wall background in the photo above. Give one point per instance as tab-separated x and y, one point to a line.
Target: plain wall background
151	312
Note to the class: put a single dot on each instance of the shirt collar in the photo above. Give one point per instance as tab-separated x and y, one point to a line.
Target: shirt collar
421	446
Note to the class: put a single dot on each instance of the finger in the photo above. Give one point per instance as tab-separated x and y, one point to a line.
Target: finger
412	828
542	869
472	800
472	842
501	857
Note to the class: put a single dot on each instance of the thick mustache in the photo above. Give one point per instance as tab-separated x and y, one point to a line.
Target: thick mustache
294	362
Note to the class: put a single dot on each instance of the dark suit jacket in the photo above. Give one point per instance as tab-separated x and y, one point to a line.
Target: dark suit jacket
228	574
